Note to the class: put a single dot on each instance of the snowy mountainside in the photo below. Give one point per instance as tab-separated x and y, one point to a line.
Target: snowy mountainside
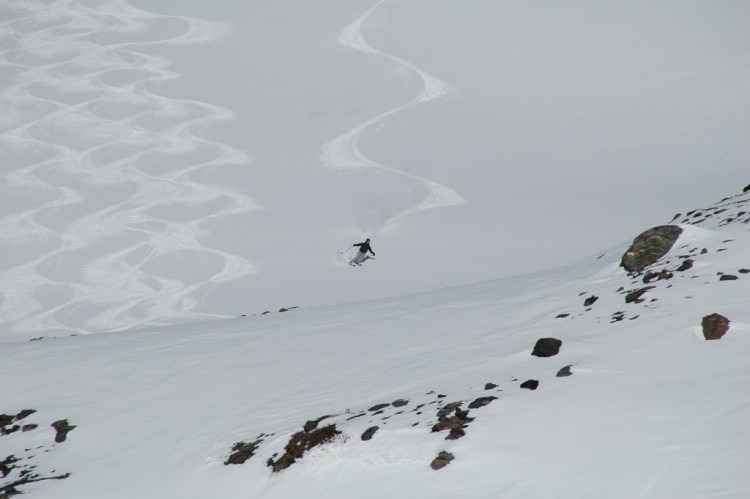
650	409
170	161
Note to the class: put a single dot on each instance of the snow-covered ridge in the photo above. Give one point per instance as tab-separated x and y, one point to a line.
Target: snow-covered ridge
646	400
107	192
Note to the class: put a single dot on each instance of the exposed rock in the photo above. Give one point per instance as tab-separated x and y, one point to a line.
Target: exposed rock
546	347
728	277
481	402
7	465
490	386
300	443
399	403
26	476
565	371
454	424
744	271
746	189
617	317
715	326
561	316
659	276
442	460
63	428
29	427
378	407
312	424
531	384
590	300
685	265
649	247
448	408
635	296
369	432
24	414
241	452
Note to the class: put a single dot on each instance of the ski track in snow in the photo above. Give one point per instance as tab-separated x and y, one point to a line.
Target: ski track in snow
343	152
109	174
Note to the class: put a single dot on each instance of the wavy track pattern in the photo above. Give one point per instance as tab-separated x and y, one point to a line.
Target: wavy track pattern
105	192
343	152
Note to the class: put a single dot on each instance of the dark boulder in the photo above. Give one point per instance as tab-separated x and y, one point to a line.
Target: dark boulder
546	347
24	414
399	403
728	277
490	386
649	247
565	371
62	427
715	326
531	384
685	265
659	276
369	432
481	402
241	452
590	300
442	460
635	296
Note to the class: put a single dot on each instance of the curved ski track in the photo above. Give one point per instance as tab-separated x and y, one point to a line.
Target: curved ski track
343	151
108	176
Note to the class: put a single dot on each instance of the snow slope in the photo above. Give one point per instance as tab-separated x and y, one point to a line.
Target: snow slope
171	161
651	409
171	169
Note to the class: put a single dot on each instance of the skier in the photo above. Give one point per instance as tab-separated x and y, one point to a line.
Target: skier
362	255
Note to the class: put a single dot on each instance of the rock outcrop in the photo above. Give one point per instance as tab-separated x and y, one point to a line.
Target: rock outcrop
650	246
300	443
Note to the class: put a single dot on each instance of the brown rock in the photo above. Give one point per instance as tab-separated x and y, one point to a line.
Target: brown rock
715	326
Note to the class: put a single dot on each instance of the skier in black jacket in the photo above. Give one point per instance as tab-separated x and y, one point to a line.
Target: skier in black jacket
362	255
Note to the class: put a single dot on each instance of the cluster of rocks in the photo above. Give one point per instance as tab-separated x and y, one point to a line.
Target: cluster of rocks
19	471
653	245
452	418
731	211
300	443
281	310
